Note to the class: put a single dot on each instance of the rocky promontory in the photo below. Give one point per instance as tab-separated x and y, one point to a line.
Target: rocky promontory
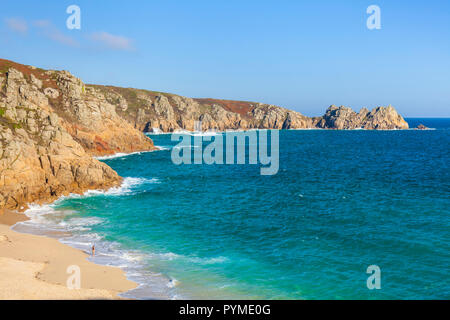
52	124
381	118
150	110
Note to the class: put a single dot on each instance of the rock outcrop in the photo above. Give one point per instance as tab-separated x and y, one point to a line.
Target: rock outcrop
92	120
157	111
154	111
381	118
421	127
50	126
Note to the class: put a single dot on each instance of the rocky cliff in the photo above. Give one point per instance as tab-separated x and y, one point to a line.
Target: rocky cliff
150	110
50	126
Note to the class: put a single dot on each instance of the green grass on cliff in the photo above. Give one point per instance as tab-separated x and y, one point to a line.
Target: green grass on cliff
8	123
4	68
131	95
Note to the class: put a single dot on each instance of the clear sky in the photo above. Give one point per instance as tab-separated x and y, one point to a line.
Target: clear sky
303	55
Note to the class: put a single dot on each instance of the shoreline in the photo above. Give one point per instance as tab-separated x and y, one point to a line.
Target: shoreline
34	267
212	132
123	154
16	223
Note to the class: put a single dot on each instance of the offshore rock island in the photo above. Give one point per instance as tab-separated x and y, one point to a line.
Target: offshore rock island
52	125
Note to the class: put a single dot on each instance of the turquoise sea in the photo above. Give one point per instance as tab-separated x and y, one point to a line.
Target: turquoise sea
341	201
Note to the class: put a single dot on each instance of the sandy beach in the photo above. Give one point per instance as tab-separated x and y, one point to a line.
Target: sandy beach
35	268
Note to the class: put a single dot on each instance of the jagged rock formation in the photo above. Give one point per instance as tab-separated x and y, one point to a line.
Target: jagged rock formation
381	118
149	110
49	129
169	112
421	127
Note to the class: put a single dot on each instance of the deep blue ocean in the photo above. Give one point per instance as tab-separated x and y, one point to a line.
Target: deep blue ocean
341	201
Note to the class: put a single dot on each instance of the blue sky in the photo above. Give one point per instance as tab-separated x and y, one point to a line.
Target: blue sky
303	55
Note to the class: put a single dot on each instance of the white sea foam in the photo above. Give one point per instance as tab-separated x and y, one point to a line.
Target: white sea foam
198	260
35	210
132	256
168	148
121	155
303	129
78	234
205	133
156	131
197	133
80	223
164	256
113	156
181	131
45	216
127	187
185	147
148	134
205	261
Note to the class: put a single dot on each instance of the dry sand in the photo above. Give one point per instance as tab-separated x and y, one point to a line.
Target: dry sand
35	267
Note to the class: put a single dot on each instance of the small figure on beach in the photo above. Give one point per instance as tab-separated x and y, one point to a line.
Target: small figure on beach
93	250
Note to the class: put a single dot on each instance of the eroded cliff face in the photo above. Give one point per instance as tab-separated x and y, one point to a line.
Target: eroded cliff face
149	110
50	126
381	118
93	121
